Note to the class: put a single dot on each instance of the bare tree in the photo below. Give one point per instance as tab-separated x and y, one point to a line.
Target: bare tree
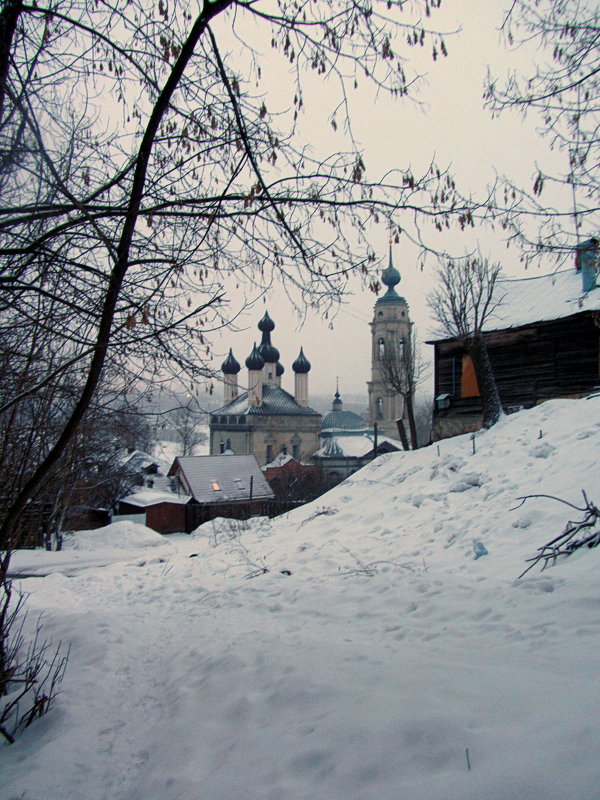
189	423
404	369
564	92
466	295
122	226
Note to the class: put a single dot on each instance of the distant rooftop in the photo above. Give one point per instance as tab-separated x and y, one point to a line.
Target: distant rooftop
275	401
223	478
353	446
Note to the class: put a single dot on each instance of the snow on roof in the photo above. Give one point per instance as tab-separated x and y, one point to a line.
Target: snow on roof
353	446
279	461
141	460
538	299
150	497
275	400
214	479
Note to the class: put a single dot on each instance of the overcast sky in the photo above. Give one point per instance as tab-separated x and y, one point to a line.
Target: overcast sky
450	125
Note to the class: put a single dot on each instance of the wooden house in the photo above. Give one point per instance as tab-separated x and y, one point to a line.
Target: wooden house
221	486
543	340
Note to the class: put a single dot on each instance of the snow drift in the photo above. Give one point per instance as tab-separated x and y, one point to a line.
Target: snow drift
372	645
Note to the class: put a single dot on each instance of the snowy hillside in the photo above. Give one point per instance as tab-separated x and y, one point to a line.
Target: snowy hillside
356	649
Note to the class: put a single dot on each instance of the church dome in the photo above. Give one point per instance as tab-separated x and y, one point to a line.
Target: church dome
230	366
266	325
279	369
390	277
340	420
301	365
268	352
255	362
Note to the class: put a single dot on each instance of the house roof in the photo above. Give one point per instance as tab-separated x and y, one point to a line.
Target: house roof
222	478
541	298
279	461
149	497
275	401
354	446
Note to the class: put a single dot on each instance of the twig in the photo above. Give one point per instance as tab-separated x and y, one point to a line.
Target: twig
571	538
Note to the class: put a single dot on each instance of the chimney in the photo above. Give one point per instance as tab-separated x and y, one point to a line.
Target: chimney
586	262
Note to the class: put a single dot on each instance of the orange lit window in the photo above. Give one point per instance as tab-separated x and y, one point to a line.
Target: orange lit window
216	486
468	381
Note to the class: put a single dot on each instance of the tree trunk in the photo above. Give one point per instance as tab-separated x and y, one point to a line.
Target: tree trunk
116	276
488	390
402	433
412	425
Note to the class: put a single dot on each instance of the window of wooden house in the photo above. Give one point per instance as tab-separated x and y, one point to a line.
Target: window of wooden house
468	379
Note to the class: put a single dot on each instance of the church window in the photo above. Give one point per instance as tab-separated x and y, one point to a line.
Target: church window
284	449
379	408
380	348
296	451
269	453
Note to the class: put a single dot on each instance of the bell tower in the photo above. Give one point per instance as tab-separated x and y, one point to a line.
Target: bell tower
390	331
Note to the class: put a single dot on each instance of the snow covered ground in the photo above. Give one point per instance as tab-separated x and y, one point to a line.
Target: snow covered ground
355	649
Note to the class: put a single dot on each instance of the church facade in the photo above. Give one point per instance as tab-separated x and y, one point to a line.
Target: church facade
263	419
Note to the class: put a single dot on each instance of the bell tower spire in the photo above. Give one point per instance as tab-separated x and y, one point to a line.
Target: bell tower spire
390	330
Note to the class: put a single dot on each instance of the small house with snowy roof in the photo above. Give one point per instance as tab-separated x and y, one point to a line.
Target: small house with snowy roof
220	486
543	340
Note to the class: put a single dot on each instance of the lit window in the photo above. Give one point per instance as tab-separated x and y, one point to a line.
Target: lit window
216	486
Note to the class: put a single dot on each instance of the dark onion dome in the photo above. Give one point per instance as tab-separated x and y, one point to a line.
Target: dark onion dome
266	325
390	277
301	365
230	366
279	369
268	353
255	362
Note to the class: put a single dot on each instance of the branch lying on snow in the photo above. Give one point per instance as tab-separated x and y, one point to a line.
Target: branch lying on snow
577	534
371	569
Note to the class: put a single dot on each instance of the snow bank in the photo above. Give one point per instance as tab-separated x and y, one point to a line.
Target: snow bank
362	647
116	536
